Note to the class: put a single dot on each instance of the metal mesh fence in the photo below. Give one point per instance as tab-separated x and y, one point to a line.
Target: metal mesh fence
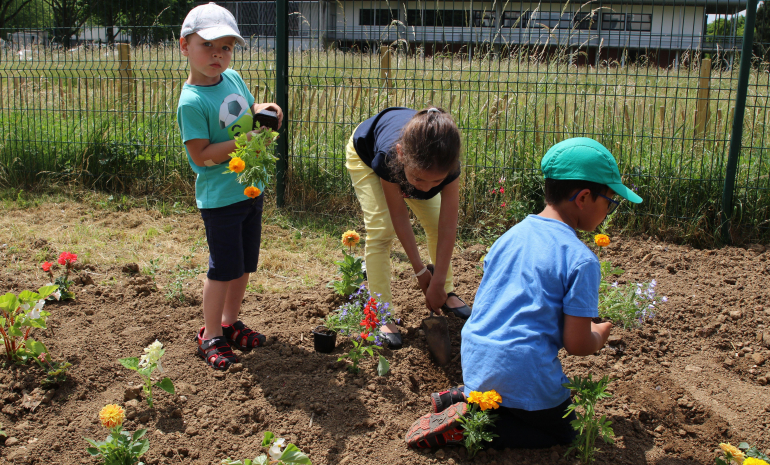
655	81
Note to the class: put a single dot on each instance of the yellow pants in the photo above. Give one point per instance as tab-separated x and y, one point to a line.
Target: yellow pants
379	227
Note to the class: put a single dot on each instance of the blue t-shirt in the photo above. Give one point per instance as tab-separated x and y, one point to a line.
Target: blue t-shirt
375	142
534	274
218	113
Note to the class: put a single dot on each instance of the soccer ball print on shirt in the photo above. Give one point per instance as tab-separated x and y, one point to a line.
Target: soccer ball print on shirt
234	115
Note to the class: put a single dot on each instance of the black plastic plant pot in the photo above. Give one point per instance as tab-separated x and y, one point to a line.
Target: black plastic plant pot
324	339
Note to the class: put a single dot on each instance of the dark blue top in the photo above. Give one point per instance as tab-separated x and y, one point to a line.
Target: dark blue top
375	142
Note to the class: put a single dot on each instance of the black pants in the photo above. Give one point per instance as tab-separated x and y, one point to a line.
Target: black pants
523	429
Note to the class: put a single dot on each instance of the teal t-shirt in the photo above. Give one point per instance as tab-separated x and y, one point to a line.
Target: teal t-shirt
534	274
218	113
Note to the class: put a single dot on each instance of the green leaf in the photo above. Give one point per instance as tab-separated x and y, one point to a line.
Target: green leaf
28	296
145	447
138	434
166	385
36	347
268	439
93	451
45	291
15	331
292	455
92	442
261	460
132	363
9	302
383	366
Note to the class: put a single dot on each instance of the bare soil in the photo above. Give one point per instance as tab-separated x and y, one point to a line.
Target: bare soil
695	375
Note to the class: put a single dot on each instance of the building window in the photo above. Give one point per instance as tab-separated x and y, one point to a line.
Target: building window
375	17
550	19
613	21
514	19
484	18
443	18
636	22
586	21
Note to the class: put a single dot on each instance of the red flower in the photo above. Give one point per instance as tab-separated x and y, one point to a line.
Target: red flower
503	204
47	266
364	335
67	258
502	190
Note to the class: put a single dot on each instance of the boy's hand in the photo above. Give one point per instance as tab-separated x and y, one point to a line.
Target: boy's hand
257	107
603	329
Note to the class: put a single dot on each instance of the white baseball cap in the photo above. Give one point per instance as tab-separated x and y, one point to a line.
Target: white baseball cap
211	22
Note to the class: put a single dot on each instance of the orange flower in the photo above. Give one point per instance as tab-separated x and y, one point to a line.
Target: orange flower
732	452
237	165
602	240
475	397
350	238
252	192
491	400
111	416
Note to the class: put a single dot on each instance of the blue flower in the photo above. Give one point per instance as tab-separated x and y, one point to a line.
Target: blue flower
664	299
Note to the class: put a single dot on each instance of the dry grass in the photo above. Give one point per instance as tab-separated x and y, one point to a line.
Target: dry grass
37	230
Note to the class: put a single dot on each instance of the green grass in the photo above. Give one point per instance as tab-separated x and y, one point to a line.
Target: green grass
79	129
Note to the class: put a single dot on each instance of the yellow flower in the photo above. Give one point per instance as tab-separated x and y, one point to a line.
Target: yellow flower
252	192
111	416
754	461
491	400
237	164
732	452
602	240
475	397
350	238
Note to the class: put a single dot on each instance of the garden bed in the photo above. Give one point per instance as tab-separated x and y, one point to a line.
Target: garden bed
693	376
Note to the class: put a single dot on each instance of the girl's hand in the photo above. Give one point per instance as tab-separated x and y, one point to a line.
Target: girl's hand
424	280
435	296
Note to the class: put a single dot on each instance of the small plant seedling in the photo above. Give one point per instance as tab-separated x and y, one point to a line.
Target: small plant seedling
146	365
278	453
587	393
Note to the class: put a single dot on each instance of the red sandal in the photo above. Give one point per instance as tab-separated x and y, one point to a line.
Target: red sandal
242	337
216	352
438	429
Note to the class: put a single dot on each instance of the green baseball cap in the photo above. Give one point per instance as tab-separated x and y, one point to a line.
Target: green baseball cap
584	159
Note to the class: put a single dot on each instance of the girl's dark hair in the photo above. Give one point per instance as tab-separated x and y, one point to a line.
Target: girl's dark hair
430	141
558	190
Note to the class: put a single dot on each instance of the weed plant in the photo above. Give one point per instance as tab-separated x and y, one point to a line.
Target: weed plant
587	393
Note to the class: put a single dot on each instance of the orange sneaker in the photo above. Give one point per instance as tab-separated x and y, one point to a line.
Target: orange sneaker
438	429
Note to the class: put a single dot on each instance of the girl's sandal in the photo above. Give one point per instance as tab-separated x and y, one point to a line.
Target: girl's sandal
216	352
242	337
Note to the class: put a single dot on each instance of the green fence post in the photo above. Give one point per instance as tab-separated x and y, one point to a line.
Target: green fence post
740	107
282	97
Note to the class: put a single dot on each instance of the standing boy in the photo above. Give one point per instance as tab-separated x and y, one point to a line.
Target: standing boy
215	106
539	293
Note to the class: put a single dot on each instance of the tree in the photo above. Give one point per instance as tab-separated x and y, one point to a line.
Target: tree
9	9
762	32
724	27
68	17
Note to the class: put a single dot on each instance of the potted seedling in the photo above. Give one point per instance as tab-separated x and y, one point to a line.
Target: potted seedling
324	339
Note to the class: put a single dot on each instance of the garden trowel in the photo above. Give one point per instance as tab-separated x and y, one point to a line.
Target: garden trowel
437	333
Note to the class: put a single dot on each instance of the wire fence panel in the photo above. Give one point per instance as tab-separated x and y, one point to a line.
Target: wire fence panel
655	81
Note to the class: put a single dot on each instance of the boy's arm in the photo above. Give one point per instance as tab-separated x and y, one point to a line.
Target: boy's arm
204	153
584	337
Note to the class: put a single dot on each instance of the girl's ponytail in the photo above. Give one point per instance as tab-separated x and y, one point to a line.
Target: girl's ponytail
430	141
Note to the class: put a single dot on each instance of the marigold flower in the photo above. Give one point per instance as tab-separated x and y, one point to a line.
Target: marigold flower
350	238
732	452
112	416
602	240
475	397
47	266
491	399
754	461
252	192
237	164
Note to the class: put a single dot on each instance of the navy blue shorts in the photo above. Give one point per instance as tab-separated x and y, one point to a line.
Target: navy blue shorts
233	234
522	429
